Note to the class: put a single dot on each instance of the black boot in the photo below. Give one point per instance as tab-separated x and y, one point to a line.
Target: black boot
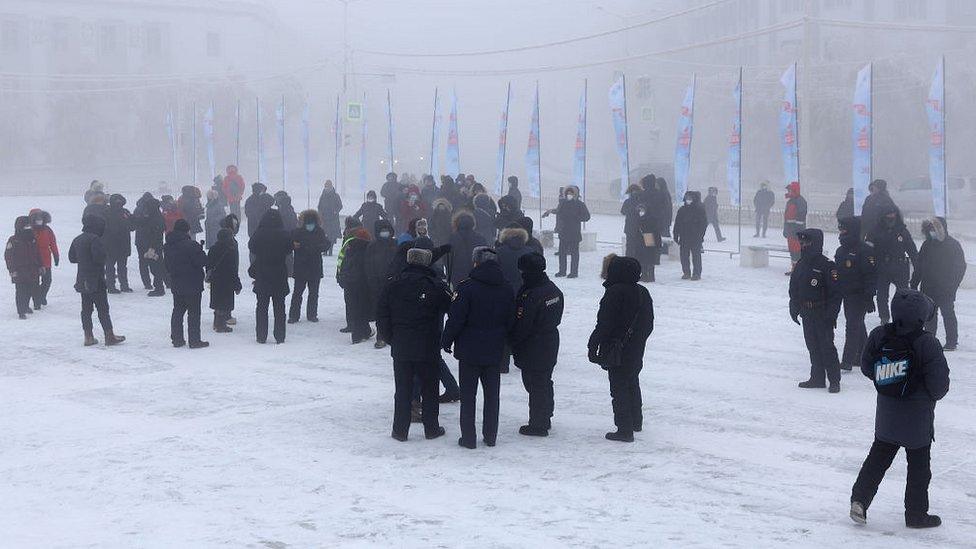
922	521
531	431
620	436
811	384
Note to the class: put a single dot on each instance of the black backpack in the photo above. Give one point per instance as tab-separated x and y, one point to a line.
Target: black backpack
895	367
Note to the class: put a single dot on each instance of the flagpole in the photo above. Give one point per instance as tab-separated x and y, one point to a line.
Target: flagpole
194	141
586	107
626	183
237	146
508	104
945	149
796	110
283	142
538	139
739	113
433	138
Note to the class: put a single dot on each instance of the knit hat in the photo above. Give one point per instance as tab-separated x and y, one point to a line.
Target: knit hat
419	256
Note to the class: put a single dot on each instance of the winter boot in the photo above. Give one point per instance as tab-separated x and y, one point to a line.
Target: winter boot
620	437
834	388
858	513
346	330
531	431
448	398
231	321
811	384
112	339
439	432
158	292
469	445
90	339
402	437
922	521
199	344
379	344
113	290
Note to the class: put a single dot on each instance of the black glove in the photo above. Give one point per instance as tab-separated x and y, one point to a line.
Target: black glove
869	305
57	260
447	348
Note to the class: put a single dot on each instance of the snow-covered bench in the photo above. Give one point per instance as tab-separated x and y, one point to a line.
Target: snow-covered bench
757	257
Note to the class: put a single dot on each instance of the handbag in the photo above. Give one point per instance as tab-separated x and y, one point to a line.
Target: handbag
649	240
610	353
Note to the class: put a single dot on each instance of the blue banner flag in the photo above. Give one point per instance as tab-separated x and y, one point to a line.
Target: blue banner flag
208	135
734	169
502	141
171	133
362	151
435	132
280	117
262	169
861	137
453	156
533	161
935	109
618	116
788	128
682	149
579	148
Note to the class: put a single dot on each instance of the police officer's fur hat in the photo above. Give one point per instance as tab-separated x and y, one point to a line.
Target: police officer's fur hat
419	256
482	254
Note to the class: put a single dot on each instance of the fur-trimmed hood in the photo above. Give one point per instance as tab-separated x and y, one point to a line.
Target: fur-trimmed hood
39	213
442	202
518	235
309	215
463	220
936	227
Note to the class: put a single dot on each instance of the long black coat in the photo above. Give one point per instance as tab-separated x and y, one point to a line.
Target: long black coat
309	247
571	215
534	338
330	204
481	316
88	252
369	213
223	263
463	242
814	281
255	207
410	314
352	278
271	245
21	255
379	256
691	223
895	248
185	262
512	246
941	266
875	206
630	211
624	303
440	222
763	201
150	226
118	235
857	265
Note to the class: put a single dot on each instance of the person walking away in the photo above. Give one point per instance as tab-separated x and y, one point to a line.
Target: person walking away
794	221
191	209
410	316
480	318
88	252
24	264
271	246
514	192
763	203
624	322
689	233
876	205
379	254
392	193
232	188
351	276
47	247
905	412
256	206
511	247
370	212
857	270
939	271
815	297
330	204
534	340
223	260
897	255
846	208
185	262
215	214
440	221
310	243
118	244
571	214
463	242
484	219
711	212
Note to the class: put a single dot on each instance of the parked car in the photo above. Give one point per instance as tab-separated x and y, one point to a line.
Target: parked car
914	196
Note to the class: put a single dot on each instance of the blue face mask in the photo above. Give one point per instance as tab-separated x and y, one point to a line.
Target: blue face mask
310	227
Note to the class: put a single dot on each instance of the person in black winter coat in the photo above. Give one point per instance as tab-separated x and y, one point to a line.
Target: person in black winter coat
351	276
310	242
906	421
857	270
484	218
191	209
689	232
440	221
711	212
534	340
271	245
877	204
118	244
629	209
185	262
571	214
24	264
410	316
511	247
480	318
508	212
514	192
626	315
150	228
289	220
763	203
533	243
88	252
940	268
97	205
392	192
256	205
371	212
664	210
223	261
846	208
330	204
896	253
463	242
429	193
216	212
815	297
379	256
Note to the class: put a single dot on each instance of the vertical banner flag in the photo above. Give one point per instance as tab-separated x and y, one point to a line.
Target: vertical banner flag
305	145
208	134
862	137
533	161
262	169
453	156
362	151
390	150
193	141
502	140
237	142
682	150
935	109
579	149
734	170
788	130
618	115
434	133
171	132
280	118
337	130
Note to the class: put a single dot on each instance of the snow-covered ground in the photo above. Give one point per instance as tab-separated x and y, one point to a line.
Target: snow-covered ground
247	445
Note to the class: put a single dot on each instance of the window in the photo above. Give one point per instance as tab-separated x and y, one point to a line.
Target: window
213	44
60	30
13	36
154	41
108	40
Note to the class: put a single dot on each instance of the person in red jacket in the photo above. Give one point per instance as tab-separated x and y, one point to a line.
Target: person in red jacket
233	188
47	247
411	207
23	264
794	220
171	212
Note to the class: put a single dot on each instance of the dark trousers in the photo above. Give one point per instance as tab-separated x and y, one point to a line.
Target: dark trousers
40	292
877	463
570	248
23	291
691	255
636	249
235	208
626	398
762	222
152	267
355	319
947	306
261	317
405	374
312	309
446	378
117	265
189	305
896	273
717	228
490	379
818	332
537	381
855	333
90	302
220	318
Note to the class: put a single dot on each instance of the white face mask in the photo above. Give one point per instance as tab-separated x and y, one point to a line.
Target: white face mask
385	234
688	202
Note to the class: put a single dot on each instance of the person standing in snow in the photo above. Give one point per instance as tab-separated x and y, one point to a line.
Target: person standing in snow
191	209
24	264
897	254
846	208
876	205
223	260
379	256
88	252
941	266
271	246
289	219
330	204
857	270
232	189
310	242
689	233
185	263
570	216
762	203
794	220
215	213
370	212
463	242
47	247
815	297
711	212
514	192
392	193
118	244
150	227
256	206
351	276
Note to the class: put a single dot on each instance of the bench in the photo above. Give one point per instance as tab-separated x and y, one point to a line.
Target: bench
757	257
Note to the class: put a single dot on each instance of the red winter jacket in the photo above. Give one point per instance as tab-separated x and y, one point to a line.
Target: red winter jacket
47	243
233	186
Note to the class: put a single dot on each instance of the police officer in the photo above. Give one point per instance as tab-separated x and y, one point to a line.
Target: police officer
534	340
409	316
895	248
857	281
815	297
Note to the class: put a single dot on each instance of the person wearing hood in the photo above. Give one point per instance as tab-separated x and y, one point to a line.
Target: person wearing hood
624	321
379	256
223	262
510	249
876	205
463	242
570	216
95	187
815	297
118	244
289	219
370	212
451	192
410	316
351	276
330	204
480	318
629	209
271	246
514	192
905	412
215	214
846	208
24	264
440	221
88	252
47	247
794	220
689	232
532	243
508	212
392	193
663	211
232	189
534	340
410	207
429	193
897	255
857	273
939	271
310	243
484	218
191	209
185	263
171	213
256	206
97	205
711	212
150	227
763	203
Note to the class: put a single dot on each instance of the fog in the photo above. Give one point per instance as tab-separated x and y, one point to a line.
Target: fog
85	88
